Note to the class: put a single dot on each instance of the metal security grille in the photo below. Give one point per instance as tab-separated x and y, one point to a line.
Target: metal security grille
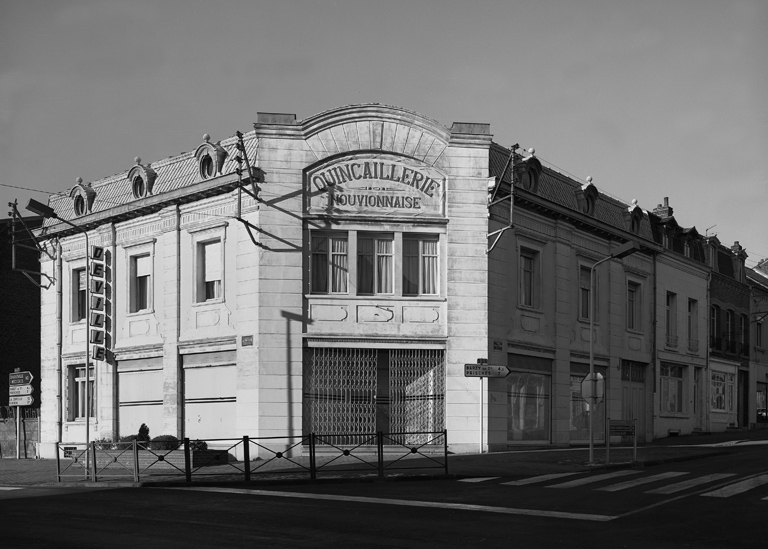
417	393
352	393
340	393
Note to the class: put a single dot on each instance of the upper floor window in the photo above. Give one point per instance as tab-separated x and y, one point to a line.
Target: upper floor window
671	320
140	282
729	329
693	325
79	295
759	333
375	263
714	326
743	334
420	262
329	264
209	271
633	306
585	292
529	277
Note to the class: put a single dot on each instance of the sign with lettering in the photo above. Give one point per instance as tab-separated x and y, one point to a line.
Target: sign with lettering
376	185
97	317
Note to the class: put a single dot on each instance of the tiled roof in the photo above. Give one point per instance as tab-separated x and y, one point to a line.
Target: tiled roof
172	173
561	190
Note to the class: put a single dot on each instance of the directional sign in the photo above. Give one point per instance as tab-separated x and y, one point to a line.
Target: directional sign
20	401
593	386
20	378
485	370
18	390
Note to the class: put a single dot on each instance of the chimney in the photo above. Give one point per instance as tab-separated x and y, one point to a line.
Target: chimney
665	210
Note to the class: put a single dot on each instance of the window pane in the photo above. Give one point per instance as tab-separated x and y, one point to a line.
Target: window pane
410	267
528	280
339	265
365	266
212	258
142	293
384	266
319	264
429	271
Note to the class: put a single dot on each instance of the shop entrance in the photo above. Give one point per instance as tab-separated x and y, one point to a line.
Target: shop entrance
353	393
633	395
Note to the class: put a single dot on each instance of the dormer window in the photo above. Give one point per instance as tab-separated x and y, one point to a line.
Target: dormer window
142	179
527	172
79	204
586	196
138	186
206	167
82	196
210	158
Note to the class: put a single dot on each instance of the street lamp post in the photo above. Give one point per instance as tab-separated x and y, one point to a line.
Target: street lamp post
46	211
624	250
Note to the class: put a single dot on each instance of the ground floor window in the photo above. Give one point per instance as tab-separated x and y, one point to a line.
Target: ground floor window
671	376
722	391
78	394
353	393
580	412
528	402
762	402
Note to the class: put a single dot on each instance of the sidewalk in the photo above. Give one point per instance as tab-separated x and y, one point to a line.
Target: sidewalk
520	462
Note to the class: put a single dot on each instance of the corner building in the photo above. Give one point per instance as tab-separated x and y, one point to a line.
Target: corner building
343	289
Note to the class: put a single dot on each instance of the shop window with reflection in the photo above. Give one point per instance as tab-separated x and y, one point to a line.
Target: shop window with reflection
528	401
329	264
580	412
420	265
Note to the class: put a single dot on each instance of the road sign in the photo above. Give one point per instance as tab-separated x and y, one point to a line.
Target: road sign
20	401
18	390
485	370
587	386
621	427
20	378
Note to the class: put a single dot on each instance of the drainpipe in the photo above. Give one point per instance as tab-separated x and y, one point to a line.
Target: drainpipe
59	338
654	346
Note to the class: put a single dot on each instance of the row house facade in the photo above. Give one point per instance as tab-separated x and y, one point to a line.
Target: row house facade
336	274
757	413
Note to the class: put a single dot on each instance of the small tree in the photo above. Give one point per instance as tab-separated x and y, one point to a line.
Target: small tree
143	435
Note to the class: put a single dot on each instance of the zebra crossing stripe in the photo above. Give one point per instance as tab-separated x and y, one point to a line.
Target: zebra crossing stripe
738	487
540	478
477	479
10	488
639	481
680	486
593	478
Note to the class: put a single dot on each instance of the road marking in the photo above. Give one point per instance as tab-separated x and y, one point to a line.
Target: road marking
10	487
478	479
639	481
738	487
540	478
593	478
404	503
680	486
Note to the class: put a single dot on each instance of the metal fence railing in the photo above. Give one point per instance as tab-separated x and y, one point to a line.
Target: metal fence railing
374	454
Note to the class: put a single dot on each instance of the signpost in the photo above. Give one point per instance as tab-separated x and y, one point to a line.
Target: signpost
623	428
593	386
20	392
483	369
21	400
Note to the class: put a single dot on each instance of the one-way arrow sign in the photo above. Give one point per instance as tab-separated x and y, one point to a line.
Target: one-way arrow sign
485	370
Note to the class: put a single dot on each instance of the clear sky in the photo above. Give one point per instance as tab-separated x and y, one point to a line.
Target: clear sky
651	98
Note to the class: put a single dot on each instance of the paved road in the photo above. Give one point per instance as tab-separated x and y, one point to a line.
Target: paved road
643	507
